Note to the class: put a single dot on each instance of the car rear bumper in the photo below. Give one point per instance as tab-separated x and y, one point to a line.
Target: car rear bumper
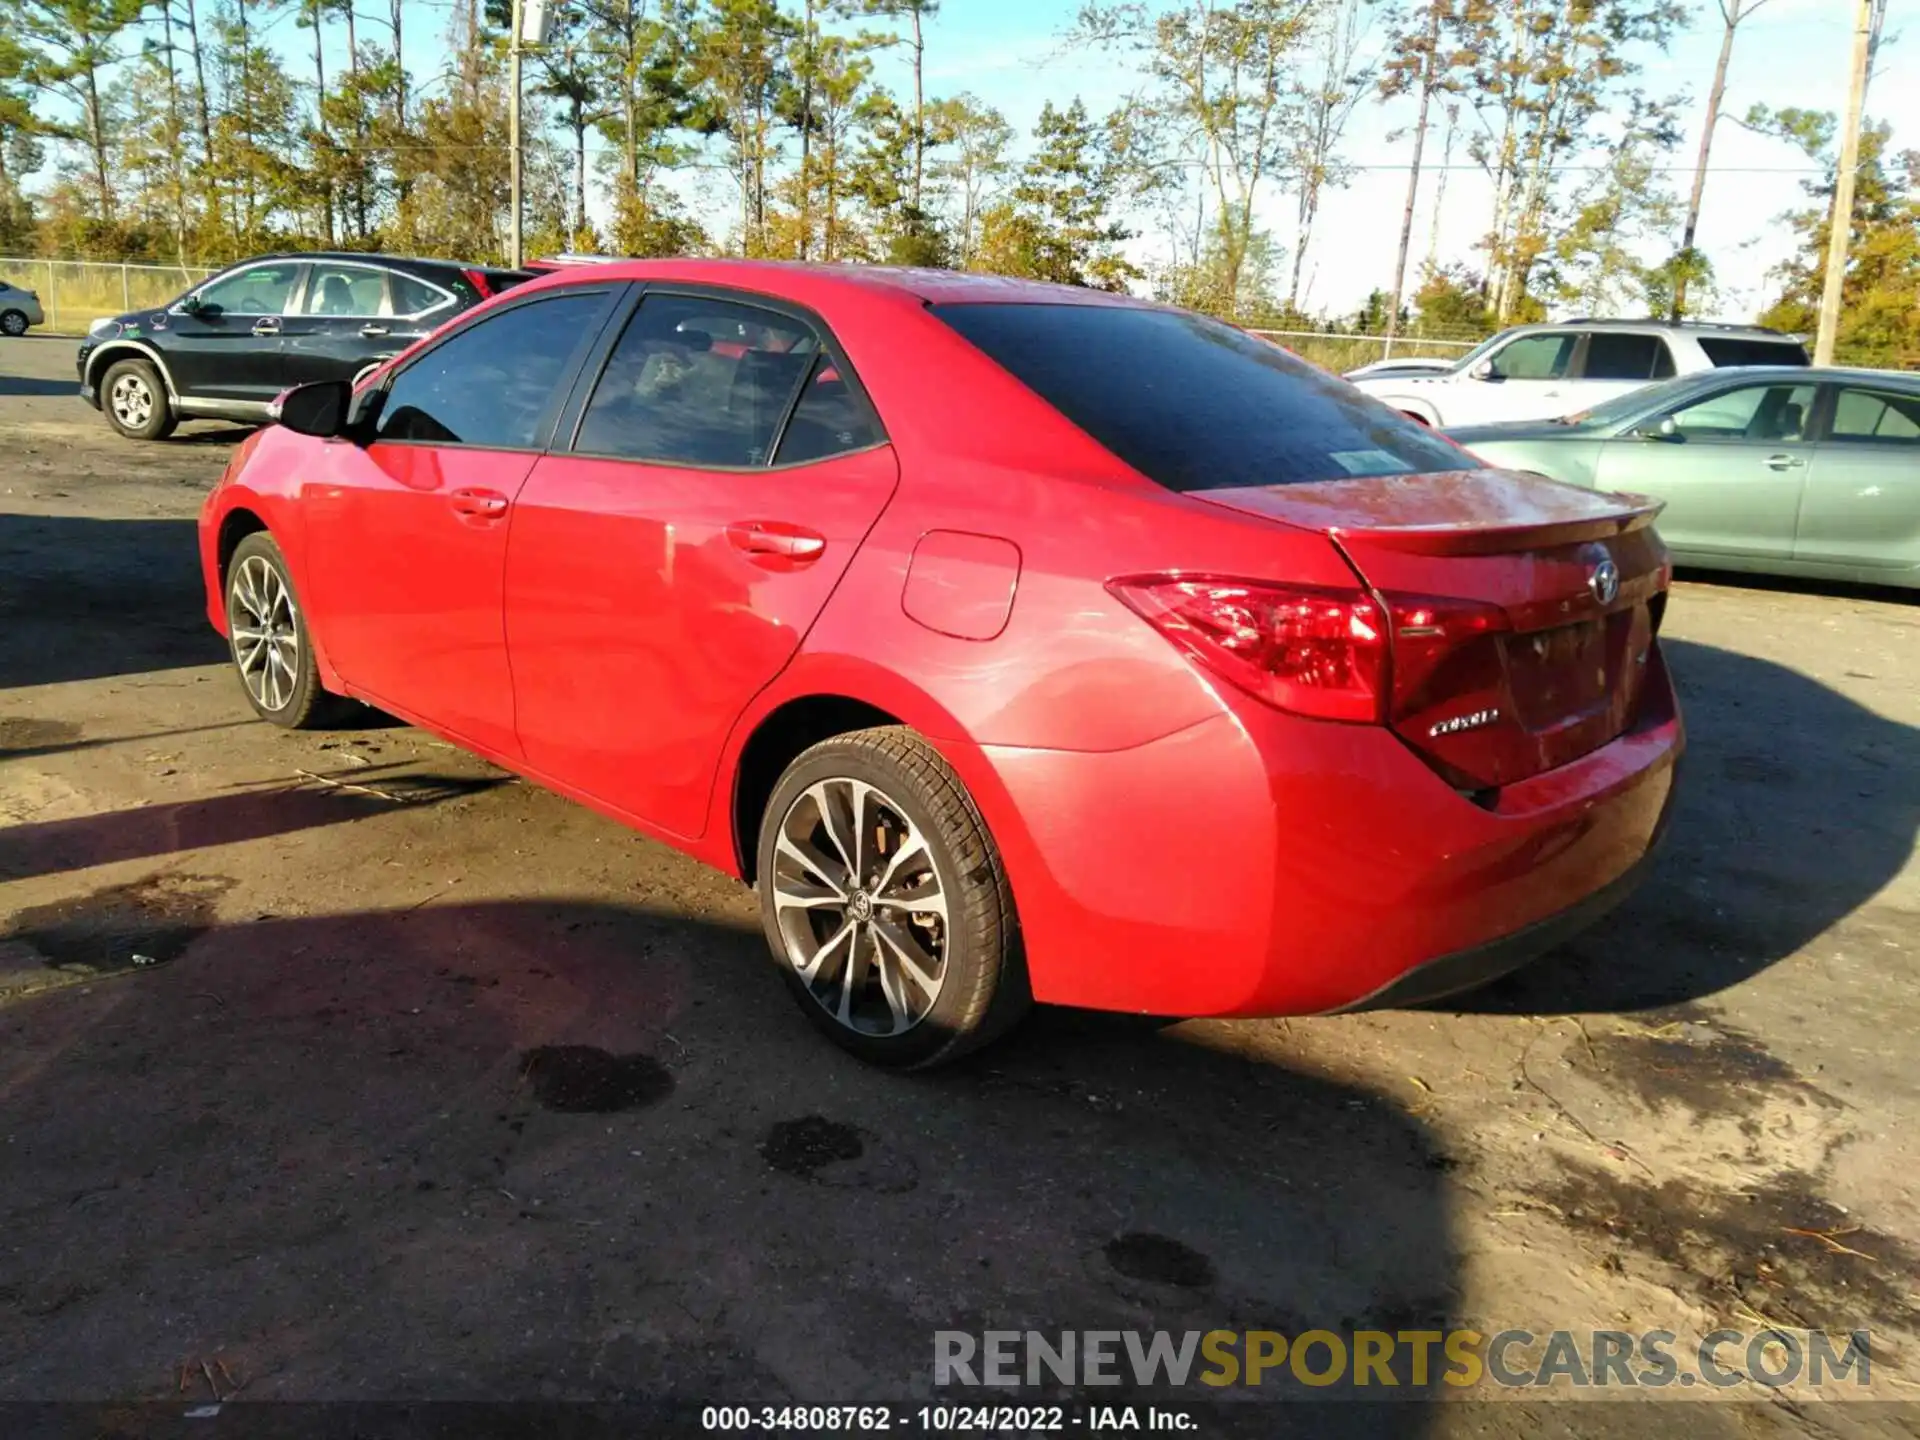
1479	965
1261	864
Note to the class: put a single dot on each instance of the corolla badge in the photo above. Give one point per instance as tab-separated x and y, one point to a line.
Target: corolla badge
1455	724
1604	582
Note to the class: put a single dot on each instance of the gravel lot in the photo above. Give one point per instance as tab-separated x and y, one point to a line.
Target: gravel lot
439	1086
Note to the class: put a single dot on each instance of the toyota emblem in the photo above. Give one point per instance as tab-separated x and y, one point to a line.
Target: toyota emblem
1604	582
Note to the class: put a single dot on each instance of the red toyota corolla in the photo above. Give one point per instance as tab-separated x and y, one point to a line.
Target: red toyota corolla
1018	643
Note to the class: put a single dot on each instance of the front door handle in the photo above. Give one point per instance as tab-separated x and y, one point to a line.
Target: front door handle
374	332
479	504
1784	462
777	540
267	325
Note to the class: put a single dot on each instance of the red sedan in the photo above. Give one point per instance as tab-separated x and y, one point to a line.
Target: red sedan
1018	643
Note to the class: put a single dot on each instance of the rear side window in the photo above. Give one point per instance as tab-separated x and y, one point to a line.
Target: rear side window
1882	416
1193	404
1725	350
1627	357
830	419
697	382
414	297
491	384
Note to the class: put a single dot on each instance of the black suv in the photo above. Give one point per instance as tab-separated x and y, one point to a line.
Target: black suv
228	346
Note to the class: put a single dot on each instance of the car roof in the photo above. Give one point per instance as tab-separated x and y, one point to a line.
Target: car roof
922	286
1697	328
1803	374
370	257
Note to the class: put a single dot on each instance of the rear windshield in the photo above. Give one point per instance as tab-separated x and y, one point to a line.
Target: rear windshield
1196	405
1725	350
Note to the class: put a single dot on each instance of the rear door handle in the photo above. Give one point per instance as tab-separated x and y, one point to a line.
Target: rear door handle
1784	462
374	332
267	325
480	504
773	538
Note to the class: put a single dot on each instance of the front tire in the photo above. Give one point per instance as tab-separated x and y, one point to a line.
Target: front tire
886	904
267	637
13	323
135	402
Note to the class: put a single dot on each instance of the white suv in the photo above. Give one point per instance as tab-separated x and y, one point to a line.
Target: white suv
1541	372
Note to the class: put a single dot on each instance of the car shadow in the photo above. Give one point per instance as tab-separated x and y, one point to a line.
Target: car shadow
1796	808
1799	585
83	598
26	386
584	1151
50	846
226	434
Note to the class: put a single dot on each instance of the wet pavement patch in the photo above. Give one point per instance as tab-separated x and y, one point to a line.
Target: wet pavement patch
1159	1259
586	1080
1780	1248
1687	1056
827	1152
123	927
800	1147
23	733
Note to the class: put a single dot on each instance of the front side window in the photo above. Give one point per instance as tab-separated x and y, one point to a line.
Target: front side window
1883	416
1193	404
1626	357
1770	413
345	290
491	384
1535	357
697	382
257	290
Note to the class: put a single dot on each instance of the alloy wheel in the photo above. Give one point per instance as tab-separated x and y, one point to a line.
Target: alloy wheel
13	323
266	632
132	400
861	907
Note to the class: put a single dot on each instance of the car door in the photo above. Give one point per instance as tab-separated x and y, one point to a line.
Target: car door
223	342
342	322
1525	379
1731	465
406	534
665	568
1862	503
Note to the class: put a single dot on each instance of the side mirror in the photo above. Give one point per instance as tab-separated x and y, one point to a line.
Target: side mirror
316	409
188	305
1482	371
1665	428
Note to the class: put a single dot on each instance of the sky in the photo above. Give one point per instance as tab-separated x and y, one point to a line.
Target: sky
1790	53
1012	54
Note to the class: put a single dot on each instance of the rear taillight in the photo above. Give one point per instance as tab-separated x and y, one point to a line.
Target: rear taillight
1429	635
478	280
1312	650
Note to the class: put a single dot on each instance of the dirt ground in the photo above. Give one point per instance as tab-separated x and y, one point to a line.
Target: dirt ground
343	1066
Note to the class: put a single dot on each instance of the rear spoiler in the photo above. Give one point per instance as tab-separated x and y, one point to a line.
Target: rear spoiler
1467	538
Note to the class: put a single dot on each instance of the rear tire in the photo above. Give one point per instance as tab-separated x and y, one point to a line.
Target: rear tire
267	637
135	402
886	904
13	323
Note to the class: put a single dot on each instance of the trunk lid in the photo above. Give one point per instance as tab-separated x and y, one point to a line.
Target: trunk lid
1522	611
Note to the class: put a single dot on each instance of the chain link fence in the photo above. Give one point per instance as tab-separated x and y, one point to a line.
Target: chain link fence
1341	351
75	293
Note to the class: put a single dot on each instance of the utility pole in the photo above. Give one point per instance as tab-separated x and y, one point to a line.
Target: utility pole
513	137
1840	227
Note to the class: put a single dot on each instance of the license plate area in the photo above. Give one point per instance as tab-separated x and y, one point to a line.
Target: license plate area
1561	674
